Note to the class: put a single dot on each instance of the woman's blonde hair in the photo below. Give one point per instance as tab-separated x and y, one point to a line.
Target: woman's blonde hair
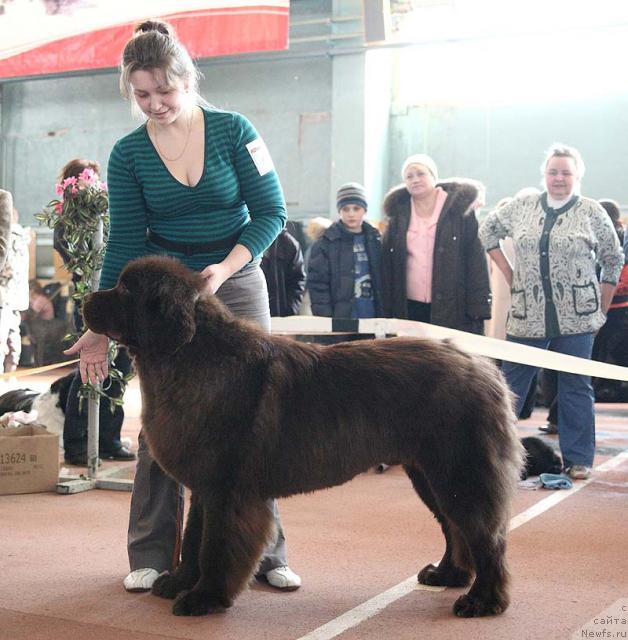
154	46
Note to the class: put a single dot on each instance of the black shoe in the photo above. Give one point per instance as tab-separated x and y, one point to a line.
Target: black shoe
78	460
121	453
550	429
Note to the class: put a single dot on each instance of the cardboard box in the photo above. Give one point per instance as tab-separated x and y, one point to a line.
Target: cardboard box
29	460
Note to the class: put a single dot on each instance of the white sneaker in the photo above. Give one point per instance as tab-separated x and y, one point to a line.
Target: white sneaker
140	580
283	578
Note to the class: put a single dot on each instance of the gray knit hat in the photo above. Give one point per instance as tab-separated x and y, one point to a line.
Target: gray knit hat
351	193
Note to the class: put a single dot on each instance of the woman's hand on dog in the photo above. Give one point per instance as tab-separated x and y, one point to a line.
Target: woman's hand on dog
215	275
93	349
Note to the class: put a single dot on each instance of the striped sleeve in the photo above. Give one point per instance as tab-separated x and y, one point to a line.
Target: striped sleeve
260	189
128	217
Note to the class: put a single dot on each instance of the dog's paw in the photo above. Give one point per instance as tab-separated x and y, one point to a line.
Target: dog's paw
168	586
197	603
468	606
443	576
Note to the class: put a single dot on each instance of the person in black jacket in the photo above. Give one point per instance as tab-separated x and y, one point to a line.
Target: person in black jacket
282	264
433	264
344	270
110	445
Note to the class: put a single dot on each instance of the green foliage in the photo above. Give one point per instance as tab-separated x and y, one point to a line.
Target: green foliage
83	203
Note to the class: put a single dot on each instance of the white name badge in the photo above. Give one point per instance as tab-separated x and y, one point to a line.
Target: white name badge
260	156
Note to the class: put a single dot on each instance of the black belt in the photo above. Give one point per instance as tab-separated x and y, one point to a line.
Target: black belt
191	248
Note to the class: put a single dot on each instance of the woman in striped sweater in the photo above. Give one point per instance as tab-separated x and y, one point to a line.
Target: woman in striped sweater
196	183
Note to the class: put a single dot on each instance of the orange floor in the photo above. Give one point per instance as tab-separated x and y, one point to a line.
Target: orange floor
63	560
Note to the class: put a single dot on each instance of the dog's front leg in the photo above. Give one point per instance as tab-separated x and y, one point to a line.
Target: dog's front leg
186	575
235	533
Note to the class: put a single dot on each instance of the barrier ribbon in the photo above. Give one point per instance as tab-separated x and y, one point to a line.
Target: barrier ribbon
22	373
480	345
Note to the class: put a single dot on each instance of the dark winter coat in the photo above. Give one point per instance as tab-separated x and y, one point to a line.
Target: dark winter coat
282	264
461	297
330	276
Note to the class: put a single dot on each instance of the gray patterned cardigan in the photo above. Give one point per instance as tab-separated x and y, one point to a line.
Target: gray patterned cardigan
555	290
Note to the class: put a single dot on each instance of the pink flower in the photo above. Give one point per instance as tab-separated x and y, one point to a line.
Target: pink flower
59	189
69	181
102	186
74	189
59	207
87	176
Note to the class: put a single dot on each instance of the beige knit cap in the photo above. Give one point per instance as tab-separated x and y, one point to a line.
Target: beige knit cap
423	159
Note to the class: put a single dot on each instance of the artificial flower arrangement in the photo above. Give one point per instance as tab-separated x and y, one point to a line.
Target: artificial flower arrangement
81	205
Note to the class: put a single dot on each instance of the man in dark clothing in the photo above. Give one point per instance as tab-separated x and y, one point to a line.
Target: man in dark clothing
344	278
282	264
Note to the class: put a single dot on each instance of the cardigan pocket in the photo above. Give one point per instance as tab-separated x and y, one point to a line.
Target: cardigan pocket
518	304
585	300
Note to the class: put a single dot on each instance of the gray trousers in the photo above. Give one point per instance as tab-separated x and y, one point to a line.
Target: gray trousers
156	517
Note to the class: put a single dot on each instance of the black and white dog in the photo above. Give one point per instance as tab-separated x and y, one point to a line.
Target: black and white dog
50	405
540	458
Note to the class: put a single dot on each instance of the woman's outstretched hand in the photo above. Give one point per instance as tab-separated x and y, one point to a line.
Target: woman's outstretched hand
94	351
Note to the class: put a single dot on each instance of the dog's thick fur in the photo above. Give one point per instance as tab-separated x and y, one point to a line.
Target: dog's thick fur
240	416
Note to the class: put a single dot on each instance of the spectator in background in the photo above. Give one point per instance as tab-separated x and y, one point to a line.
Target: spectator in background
282	264
6	213
14	294
343	277
40	305
611	341
110	445
612	209
557	302
434	268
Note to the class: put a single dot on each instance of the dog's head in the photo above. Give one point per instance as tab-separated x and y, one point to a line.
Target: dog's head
151	309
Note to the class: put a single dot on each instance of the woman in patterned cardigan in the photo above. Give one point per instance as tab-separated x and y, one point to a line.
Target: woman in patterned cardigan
557	302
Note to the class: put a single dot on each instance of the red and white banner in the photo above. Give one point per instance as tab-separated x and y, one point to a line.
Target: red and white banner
51	36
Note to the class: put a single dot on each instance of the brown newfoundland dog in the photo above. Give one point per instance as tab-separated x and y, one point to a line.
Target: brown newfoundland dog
239	416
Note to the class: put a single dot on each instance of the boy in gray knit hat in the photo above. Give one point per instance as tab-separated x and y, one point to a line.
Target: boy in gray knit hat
344	269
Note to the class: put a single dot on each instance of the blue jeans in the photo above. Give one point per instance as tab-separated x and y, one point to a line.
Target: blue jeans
576	416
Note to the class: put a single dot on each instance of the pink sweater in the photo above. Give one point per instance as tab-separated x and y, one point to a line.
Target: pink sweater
420	242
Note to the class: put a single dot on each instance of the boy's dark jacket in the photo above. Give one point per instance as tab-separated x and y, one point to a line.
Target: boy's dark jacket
461	296
330	278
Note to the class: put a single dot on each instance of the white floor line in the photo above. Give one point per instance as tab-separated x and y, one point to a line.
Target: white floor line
372	607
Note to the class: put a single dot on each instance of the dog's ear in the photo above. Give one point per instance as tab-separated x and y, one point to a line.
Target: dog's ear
165	319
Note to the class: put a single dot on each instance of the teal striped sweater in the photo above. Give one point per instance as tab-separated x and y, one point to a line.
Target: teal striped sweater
231	197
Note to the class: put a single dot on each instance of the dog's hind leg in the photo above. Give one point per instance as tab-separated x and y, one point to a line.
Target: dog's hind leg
186	575
479	511
454	568
489	592
235	533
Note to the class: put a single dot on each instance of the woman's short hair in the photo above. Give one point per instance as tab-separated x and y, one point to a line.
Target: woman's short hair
74	167
154	46
560	150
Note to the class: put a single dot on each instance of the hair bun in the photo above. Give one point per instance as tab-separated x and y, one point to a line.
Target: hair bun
154	25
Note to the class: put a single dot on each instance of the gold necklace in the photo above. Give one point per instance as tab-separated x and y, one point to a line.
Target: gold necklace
185	146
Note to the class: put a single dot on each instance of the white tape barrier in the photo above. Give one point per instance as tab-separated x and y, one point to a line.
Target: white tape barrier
481	345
